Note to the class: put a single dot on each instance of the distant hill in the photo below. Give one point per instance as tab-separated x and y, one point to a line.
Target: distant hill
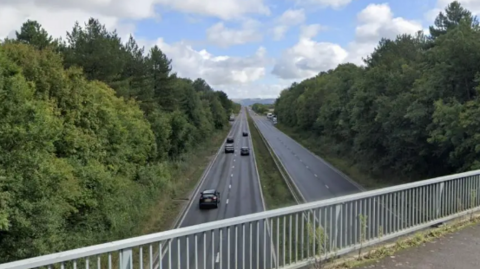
251	101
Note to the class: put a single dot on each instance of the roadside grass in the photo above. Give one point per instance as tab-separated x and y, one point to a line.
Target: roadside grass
186	173
326	150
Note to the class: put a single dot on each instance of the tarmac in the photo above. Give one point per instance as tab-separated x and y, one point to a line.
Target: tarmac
457	250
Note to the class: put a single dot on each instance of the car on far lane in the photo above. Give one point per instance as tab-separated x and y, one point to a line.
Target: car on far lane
229	140
244	151
209	198
245	133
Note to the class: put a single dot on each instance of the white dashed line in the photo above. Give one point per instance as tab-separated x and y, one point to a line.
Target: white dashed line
233	159
327	186
315	175
231	175
226	202
217	257
307	166
230	186
233	166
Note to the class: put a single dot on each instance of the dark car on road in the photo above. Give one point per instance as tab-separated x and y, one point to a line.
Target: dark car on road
245	133
209	198
229	139
244	151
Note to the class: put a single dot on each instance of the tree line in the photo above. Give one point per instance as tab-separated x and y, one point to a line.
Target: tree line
91	131
262	108
412	110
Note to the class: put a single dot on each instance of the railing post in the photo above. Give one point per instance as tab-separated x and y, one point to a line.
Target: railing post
439	198
126	260
338	217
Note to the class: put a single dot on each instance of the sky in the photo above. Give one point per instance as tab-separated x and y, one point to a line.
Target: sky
246	48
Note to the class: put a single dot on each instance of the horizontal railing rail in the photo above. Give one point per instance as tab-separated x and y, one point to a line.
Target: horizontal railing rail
332	227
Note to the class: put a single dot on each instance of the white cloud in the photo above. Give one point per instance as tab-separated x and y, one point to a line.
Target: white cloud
216	70
254	90
325	3
310	31
222	36
58	17
289	18
223	9
308	57
377	21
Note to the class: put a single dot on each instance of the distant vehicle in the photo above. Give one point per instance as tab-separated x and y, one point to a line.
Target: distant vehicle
229	139
245	133
209	198
269	115
232	118
229	148
244	151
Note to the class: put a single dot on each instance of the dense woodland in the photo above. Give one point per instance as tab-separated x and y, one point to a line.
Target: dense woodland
412	110
92	129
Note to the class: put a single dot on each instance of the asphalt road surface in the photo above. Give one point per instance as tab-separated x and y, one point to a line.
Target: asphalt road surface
235	177
318	180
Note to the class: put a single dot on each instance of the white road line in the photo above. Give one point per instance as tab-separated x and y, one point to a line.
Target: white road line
233	166
307	166
230	186
327	186
217	257
233	159
315	175
231	175
226	202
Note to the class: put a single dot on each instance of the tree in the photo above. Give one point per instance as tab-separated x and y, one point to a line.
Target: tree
410	111
32	33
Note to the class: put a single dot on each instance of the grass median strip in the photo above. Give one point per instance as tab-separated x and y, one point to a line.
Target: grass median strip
275	190
276	194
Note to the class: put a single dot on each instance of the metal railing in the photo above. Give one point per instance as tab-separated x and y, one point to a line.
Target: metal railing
301	234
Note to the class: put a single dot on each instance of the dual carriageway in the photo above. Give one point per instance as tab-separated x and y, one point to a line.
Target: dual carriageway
335	215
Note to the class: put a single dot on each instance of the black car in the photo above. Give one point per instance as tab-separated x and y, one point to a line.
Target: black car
244	151
229	139
245	134
209	198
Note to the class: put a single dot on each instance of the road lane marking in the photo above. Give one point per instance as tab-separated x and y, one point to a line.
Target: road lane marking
217	257
233	159
233	166
315	175
226	202
307	166
230	186
327	186
231	175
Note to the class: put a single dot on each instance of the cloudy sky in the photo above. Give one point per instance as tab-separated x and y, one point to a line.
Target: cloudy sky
247	48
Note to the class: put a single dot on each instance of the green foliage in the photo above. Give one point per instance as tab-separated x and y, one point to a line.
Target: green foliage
261	108
91	130
411	111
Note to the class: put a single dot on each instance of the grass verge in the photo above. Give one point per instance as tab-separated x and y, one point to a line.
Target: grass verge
326	149
187	173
